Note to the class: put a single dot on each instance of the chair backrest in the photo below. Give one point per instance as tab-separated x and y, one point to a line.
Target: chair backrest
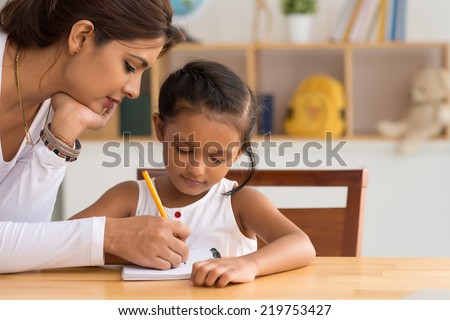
333	231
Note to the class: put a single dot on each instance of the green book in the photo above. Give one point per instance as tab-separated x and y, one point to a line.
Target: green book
135	115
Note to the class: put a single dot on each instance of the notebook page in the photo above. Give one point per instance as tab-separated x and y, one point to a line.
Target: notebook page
181	272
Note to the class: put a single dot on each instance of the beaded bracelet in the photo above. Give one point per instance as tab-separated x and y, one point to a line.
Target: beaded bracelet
60	145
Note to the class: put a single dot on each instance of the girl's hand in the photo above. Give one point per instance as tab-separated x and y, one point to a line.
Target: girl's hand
222	271
71	117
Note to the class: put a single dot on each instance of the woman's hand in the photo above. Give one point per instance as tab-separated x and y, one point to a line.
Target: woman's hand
147	241
71	117
222	271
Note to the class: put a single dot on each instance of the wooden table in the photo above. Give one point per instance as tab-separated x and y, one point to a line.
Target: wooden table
327	278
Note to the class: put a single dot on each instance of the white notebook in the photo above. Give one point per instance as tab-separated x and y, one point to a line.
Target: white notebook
181	272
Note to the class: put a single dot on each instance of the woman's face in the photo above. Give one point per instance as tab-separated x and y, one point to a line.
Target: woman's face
101	76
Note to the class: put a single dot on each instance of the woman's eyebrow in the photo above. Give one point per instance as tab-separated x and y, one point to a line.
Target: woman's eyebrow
142	60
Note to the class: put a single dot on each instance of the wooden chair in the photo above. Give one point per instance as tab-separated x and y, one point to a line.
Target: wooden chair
333	231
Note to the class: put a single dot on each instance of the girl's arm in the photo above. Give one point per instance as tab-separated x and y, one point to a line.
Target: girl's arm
288	247
118	202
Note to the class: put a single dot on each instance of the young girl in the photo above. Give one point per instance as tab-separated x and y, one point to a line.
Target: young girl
206	116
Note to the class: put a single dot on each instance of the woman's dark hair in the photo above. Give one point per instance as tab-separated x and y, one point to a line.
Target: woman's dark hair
206	86
41	23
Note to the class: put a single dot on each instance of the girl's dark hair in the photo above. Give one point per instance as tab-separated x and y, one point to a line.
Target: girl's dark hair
41	23
207	86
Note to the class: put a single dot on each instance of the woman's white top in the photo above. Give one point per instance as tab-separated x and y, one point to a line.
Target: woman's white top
211	220
28	187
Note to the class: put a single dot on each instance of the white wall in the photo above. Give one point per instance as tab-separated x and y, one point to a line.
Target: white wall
407	206
231	20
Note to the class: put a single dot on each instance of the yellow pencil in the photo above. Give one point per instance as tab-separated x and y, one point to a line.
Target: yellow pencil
155	196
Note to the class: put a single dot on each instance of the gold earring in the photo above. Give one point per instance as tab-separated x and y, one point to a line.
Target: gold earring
75	51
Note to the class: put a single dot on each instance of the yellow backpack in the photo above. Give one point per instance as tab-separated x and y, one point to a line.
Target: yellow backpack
318	106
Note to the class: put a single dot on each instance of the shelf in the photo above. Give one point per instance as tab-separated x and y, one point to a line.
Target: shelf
376	76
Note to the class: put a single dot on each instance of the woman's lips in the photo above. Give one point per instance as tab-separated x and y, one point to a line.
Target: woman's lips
109	103
115	100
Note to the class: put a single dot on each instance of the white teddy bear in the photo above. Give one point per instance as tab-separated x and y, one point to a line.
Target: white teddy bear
429	112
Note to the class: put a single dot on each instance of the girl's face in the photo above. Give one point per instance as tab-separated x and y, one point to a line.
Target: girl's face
198	150
100	77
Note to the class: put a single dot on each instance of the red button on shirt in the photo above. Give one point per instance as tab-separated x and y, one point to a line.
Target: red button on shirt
177	214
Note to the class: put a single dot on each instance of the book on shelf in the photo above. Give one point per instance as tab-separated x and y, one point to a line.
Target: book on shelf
371	20
266	116
372	32
396	20
351	22
400	23
381	26
393	18
388	20
361	26
183	271
342	21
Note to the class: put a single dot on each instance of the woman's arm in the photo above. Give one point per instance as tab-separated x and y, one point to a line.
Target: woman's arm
28	240
143	240
32	246
288	247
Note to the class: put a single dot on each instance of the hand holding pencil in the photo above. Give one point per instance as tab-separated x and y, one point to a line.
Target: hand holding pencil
155	196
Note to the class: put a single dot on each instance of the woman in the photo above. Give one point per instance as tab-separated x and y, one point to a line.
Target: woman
66	66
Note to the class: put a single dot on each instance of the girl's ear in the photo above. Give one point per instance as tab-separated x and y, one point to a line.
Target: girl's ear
158	124
81	33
